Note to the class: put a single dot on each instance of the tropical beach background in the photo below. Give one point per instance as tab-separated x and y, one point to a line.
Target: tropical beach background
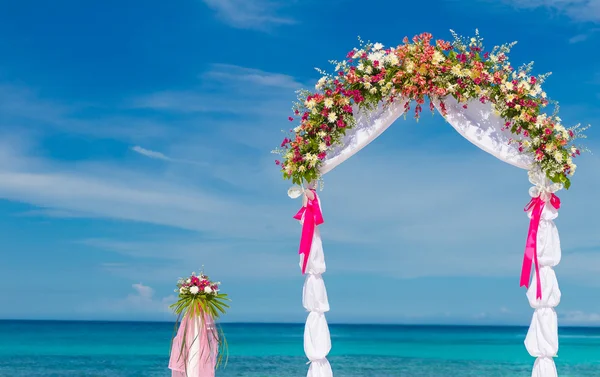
134	148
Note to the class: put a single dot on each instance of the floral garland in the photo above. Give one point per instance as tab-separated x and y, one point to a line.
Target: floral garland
200	297
371	75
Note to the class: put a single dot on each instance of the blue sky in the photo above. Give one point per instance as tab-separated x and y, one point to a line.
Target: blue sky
135	143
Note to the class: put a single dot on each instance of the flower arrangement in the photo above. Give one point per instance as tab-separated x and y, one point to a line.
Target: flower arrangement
200	298
418	69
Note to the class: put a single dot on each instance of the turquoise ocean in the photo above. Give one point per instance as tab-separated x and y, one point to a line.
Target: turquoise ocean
119	349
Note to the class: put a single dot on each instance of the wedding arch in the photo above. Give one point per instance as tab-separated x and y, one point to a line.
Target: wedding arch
493	105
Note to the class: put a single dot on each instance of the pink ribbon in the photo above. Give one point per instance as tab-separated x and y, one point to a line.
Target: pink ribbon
536	205
312	217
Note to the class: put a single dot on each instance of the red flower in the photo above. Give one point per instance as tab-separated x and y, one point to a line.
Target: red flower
290	119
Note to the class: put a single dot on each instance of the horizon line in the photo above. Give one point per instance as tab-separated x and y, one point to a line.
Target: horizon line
294	323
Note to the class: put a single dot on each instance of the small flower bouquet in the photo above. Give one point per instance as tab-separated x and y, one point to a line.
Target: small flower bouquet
199	346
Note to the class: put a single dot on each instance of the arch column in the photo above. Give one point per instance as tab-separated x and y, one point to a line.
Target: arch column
542	337
317	340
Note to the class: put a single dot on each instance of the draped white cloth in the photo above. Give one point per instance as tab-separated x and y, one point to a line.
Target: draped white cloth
542	338
369	125
476	123
317	341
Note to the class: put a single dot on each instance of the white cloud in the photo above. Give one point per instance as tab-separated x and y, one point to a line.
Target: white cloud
142	301
249	14
23	113
228	89
143	292
150	153
234	73
578	38
102	190
579	10
161	156
579	318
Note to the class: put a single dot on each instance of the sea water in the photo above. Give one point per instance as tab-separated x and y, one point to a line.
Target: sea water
119	349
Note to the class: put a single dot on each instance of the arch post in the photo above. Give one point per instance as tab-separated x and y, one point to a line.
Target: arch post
544	293
317	340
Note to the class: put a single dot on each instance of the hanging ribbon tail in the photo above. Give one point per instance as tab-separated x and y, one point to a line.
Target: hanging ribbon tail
312	217
555	201
536	205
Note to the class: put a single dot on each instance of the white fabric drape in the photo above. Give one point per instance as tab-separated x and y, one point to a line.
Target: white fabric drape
369	125
542	338
478	124
317	341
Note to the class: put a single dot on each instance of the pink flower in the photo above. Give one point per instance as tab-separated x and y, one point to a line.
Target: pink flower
548	131
290	119
277	162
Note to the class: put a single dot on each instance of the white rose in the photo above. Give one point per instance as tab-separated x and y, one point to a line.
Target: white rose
208	290
188	281
182	290
194	290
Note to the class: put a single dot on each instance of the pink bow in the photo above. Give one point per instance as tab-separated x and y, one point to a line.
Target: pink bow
537	204
312	218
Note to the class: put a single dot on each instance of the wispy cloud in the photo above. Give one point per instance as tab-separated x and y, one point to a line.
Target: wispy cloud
249	14
579	318
583	36
579	10
161	156
235	73
229	89
24	111
142	301
150	153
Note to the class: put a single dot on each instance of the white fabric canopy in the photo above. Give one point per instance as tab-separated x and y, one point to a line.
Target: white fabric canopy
369	125
477	123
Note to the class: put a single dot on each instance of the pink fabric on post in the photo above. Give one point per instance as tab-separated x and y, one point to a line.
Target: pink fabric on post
536	205
312	218
198	357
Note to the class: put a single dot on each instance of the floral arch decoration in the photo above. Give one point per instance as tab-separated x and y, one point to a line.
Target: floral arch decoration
493	105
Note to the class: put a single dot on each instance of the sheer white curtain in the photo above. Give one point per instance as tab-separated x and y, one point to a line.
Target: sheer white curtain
476	123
